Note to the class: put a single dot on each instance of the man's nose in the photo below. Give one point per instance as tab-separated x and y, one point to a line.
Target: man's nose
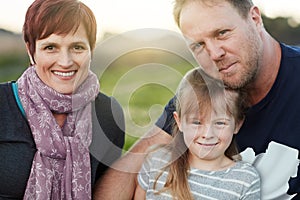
215	50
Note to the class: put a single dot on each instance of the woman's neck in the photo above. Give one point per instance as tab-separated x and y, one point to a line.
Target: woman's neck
60	118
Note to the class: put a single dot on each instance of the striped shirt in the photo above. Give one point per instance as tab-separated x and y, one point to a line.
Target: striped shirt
240	181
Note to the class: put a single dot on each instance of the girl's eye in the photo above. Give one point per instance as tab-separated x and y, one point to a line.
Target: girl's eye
196	122
220	123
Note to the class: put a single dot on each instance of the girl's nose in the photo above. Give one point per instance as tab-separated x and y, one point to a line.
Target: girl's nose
207	132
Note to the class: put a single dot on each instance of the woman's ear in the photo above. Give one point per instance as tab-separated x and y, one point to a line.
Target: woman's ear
29	55
177	120
238	125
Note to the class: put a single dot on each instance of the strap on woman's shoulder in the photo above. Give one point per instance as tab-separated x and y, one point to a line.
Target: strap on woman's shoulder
16	95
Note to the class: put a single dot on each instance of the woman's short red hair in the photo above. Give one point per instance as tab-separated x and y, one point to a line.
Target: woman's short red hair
45	17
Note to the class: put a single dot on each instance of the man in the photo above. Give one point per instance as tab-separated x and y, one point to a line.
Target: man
229	42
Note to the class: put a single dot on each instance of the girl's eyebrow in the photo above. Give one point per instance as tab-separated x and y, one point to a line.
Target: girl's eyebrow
222	118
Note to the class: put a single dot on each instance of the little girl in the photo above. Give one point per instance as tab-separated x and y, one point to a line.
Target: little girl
202	161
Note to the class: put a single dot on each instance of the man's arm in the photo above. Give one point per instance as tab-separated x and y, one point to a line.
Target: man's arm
140	193
119	182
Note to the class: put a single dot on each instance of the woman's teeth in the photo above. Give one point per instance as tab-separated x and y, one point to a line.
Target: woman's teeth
64	74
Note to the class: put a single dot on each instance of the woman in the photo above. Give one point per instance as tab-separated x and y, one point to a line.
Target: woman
58	132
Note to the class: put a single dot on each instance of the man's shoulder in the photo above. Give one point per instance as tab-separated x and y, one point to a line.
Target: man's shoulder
290	51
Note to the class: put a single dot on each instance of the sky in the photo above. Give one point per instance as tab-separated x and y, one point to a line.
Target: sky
126	15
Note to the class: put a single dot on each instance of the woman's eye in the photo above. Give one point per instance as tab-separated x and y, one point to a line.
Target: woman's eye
50	48
78	47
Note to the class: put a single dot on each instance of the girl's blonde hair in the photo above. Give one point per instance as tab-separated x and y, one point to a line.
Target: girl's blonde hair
200	92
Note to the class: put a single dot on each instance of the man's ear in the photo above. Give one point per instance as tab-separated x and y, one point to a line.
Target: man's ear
256	16
29	54
177	120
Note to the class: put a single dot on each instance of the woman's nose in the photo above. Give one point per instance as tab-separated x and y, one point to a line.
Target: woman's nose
65	59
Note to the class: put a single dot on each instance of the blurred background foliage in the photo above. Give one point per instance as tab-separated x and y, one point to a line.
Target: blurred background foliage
143	79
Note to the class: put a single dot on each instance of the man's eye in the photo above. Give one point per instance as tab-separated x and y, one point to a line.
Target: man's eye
223	32
197	46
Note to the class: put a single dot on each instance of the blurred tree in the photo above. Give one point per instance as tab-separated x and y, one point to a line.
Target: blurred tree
283	29
13	58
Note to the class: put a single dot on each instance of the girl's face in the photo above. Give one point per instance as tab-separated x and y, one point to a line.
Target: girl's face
207	136
62	61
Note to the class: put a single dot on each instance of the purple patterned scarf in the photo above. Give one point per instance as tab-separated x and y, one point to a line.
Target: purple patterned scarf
61	165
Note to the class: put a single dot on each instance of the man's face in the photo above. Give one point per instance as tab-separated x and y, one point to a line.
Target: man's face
226	45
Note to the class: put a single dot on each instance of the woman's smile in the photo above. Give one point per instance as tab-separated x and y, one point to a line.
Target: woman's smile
65	75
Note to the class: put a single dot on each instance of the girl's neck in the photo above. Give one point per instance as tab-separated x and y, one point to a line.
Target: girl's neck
218	164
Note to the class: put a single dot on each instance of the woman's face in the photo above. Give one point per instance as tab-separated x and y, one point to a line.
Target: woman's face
62	61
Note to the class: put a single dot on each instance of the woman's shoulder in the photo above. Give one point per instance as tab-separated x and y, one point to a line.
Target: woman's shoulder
108	129
108	107
6	94
105	100
109	114
5	87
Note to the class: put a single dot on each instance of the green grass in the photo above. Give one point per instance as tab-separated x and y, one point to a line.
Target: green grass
143	88
11	66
